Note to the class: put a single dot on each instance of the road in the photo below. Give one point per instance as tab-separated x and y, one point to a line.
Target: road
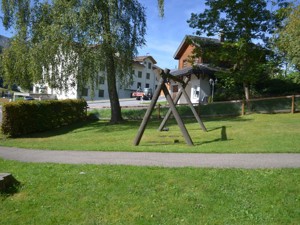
126	102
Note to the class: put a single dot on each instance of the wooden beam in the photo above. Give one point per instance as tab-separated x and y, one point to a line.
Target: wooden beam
148	113
181	125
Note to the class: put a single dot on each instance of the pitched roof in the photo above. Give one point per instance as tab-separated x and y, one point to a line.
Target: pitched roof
142	59
190	39
198	69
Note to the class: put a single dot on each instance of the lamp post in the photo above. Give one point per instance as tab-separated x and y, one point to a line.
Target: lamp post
212	83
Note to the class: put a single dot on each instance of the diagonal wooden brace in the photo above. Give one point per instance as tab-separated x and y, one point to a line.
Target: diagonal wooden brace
148	112
181	125
178	96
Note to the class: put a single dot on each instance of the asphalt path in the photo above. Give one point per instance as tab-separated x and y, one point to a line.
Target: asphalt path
247	161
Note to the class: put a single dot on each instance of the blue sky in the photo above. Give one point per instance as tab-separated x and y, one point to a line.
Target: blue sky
164	35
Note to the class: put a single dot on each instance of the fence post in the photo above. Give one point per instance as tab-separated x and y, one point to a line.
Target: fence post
293	104
158	111
243	107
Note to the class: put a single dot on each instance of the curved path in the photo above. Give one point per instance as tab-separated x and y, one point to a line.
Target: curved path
272	160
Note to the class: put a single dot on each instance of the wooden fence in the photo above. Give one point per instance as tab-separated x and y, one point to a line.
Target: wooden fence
241	107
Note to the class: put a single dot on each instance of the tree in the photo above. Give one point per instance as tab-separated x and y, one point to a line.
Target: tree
288	41
240	23
62	42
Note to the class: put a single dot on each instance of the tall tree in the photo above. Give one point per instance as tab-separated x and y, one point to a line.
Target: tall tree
240	23
67	42
289	37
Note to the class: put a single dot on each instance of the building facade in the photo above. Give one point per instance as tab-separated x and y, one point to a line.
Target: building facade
200	72
143	76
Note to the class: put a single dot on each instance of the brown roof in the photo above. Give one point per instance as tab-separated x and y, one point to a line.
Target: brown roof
192	40
199	69
142	59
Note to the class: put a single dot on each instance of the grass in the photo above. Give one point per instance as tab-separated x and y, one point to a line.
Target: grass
257	133
90	194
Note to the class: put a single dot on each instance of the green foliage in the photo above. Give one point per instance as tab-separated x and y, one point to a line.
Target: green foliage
289	34
294	77
278	87
16	64
161	4
69	42
239	23
24	117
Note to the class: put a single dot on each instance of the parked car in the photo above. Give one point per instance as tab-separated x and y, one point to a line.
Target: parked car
145	94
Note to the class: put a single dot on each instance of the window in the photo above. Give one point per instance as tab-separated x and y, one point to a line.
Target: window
149	66
140	74
196	91
139	85
85	92
175	88
44	90
101	93
101	80
37	90
148	76
147	85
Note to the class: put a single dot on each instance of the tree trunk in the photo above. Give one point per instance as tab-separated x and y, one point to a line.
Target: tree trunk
247	95
116	115
246	90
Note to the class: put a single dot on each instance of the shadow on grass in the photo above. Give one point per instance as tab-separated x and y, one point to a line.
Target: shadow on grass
170	139
223	136
130	125
86	126
9	186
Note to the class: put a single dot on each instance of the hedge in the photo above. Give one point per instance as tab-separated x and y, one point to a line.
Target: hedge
24	117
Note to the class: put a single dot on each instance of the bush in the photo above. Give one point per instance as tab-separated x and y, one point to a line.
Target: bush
26	117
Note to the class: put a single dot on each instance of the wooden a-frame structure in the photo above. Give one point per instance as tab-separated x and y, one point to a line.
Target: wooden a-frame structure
164	77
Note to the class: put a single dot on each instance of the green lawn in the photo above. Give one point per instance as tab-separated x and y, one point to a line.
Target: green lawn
90	194
251	133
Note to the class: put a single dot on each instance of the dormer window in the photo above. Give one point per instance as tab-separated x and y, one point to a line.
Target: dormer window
149	65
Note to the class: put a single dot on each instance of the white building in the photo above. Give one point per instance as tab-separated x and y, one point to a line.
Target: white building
201	74
143	77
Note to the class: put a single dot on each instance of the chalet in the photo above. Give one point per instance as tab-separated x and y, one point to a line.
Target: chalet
200	72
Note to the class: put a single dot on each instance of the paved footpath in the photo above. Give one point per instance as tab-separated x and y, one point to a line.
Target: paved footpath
272	160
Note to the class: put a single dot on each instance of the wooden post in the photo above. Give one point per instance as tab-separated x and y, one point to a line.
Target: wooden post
161	86
181	125
293	104
243	107
148	113
166	117
193	110
158	111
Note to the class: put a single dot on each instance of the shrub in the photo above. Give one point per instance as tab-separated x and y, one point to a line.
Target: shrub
24	117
